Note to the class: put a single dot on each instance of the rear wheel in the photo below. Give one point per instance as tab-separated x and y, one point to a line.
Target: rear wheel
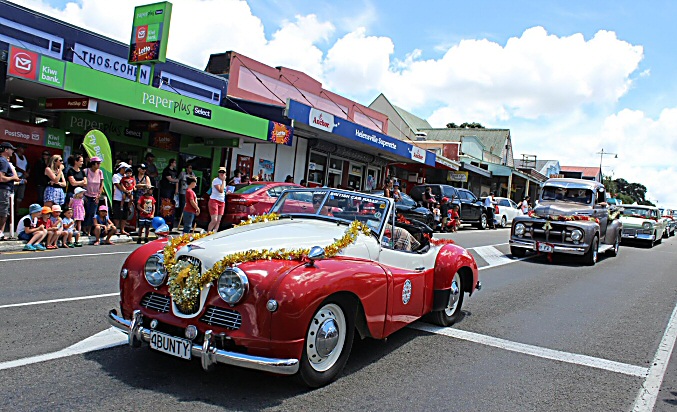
590	257
452	313
328	342
483	222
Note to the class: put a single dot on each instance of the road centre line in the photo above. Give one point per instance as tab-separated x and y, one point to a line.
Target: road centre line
42	302
64	256
648	393
536	351
103	340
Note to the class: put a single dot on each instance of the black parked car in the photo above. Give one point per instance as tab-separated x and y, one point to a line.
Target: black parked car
408	208
471	208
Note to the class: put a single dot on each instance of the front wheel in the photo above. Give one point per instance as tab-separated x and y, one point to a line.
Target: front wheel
328	343
452	313
617	245
518	252
504	222
590	257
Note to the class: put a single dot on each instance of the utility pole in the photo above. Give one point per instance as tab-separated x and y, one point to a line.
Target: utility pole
601	156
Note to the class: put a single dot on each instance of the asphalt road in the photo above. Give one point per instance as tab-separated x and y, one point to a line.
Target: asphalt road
539	336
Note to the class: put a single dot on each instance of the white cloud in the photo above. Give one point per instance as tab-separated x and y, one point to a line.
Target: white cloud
557	94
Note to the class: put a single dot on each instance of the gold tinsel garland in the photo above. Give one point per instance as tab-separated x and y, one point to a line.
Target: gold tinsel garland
185	284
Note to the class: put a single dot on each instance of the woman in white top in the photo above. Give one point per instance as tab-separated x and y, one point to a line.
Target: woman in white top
217	200
524	206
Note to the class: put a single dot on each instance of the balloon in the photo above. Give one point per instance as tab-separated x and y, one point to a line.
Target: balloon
157	222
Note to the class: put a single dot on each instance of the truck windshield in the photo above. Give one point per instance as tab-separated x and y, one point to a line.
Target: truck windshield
576	195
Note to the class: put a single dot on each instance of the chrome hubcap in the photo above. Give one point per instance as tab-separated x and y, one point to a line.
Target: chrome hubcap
326	337
454	295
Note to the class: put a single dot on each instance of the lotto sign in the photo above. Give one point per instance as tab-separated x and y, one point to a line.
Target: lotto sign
150	32
36	67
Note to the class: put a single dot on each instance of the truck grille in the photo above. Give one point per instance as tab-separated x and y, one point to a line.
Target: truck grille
193	261
156	301
558	233
227	318
630	232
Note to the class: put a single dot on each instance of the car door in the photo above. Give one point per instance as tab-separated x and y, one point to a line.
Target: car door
408	272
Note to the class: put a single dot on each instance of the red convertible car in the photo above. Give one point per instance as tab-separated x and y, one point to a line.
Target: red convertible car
287	292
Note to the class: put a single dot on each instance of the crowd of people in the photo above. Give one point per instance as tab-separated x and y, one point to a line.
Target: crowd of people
71	201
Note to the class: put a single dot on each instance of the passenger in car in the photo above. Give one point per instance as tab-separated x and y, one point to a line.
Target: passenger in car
400	239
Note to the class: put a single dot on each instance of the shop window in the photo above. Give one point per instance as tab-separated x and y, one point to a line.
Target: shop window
316	168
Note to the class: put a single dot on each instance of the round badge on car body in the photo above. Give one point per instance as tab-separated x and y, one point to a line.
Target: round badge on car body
406	291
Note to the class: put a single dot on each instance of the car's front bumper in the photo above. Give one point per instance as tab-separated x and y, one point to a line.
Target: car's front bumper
579	249
638	236
207	352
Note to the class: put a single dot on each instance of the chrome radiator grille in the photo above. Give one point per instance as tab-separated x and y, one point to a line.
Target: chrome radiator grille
156	301
193	261
631	232
227	318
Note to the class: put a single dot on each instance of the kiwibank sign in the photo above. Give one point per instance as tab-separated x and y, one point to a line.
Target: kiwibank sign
322	120
87	82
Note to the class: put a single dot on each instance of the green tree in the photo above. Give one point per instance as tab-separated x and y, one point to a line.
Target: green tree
631	192
465	125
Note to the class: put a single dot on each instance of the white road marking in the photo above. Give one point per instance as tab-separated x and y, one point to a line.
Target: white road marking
105	339
42	302
648	393
64	256
536	351
492	256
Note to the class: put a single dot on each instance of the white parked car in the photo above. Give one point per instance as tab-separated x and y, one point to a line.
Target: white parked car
507	210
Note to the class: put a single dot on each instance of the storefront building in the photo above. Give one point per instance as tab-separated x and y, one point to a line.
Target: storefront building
328	151
63	81
348	155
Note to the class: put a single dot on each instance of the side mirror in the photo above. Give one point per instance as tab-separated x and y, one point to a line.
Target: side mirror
316	253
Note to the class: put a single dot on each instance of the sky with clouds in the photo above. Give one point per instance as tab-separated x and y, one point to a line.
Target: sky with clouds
567	78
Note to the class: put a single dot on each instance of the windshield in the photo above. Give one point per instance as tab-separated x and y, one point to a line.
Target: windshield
563	194
638	212
336	204
248	189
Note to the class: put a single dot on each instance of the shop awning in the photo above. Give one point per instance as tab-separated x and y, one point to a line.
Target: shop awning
326	126
501	170
474	169
443	163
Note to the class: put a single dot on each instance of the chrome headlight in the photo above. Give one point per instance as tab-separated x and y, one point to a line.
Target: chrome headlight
155	270
647	225
576	235
233	285
520	229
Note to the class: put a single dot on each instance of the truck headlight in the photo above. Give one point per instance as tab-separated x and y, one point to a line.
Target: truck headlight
233	285
155	270
520	229
647	225
576	235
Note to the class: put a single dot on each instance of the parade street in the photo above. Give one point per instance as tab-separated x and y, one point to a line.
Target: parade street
538	336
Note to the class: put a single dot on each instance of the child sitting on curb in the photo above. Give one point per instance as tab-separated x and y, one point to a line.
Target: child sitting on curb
30	230
103	226
68	228
57	225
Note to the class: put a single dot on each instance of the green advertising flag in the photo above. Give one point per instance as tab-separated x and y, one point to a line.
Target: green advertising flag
96	144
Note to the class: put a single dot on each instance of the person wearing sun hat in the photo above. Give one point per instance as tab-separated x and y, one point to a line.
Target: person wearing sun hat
103	226
30	230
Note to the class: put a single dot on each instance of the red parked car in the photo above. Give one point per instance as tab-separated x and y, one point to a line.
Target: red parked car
247	200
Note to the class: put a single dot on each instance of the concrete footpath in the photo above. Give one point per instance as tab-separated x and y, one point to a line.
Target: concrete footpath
18	245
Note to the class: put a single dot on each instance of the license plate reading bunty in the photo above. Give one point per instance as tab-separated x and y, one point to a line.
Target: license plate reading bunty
171	345
544	247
